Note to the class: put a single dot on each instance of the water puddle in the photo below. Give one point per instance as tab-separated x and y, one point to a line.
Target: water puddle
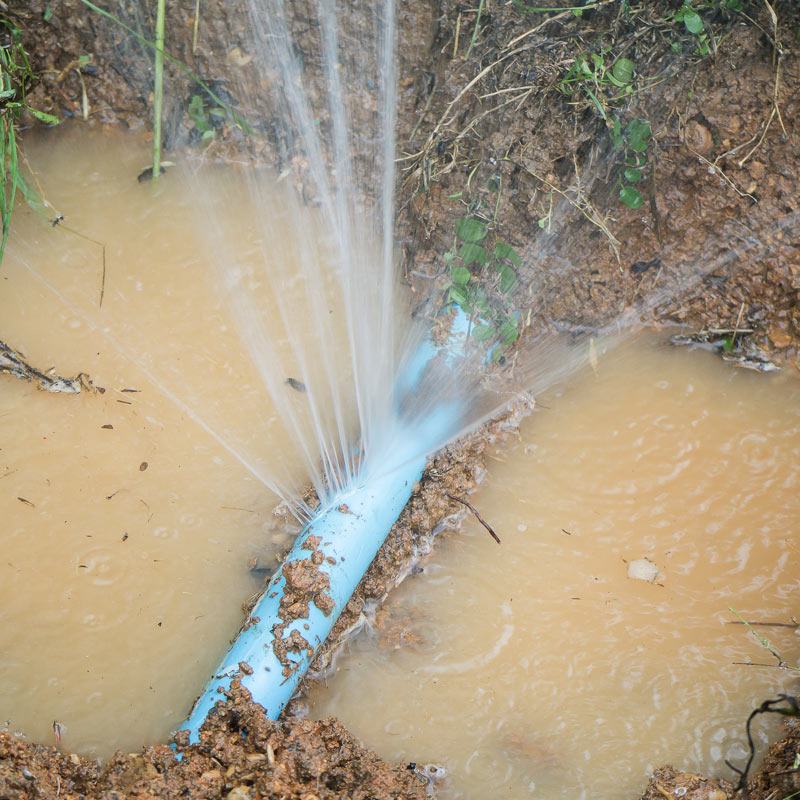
534	667
539	667
127	528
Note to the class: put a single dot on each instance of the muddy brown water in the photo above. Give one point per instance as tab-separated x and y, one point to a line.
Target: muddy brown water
127	529
539	667
125	561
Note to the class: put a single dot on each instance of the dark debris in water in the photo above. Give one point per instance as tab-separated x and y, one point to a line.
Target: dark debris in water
12	362
147	174
733	345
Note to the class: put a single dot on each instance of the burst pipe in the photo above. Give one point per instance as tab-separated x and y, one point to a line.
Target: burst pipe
340	542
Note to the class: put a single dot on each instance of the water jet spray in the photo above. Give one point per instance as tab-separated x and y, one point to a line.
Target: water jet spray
305	596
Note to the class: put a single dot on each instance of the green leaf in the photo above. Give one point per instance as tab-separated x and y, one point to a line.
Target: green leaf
503	250
692	21
84	59
507	278
472	253
623	70
632	175
616	137
638	135
448	257
460	276
195	108
482	332
458	294
48	119
48	13
597	103
630	197
31	198
509	332
471	230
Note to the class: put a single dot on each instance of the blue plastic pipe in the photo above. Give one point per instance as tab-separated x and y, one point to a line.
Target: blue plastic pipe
340	543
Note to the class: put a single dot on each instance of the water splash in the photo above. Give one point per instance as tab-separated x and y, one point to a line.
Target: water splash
310	280
336	100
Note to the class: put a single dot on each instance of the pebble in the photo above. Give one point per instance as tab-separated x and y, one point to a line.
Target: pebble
642	569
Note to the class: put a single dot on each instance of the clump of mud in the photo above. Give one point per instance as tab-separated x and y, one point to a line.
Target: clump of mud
778	778
241	754
454	473
667	782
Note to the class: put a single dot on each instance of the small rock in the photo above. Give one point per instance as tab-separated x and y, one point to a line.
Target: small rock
698	138
238	793
779	338
642	569
756	170
238	58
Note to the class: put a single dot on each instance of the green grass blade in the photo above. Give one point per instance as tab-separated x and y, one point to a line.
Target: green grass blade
475	31
11	176
158	90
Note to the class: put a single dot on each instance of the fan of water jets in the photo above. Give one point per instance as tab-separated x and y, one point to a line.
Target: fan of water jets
308	277
320	309
345	367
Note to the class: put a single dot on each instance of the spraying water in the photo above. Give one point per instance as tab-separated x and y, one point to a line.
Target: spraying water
306	281
317	246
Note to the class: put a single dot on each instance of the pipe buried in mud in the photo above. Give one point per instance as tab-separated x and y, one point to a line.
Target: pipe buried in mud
305	597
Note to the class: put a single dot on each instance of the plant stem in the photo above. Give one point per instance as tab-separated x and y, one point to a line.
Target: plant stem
196	26
10	168
475	31
158	90
237	118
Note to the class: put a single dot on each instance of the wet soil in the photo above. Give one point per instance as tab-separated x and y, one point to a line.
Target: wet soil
486	130
778	778
241	754
718	226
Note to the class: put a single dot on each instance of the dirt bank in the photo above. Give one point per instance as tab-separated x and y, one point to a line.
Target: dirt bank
241	755
495	125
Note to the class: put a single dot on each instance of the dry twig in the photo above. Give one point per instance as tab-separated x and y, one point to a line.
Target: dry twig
477	516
